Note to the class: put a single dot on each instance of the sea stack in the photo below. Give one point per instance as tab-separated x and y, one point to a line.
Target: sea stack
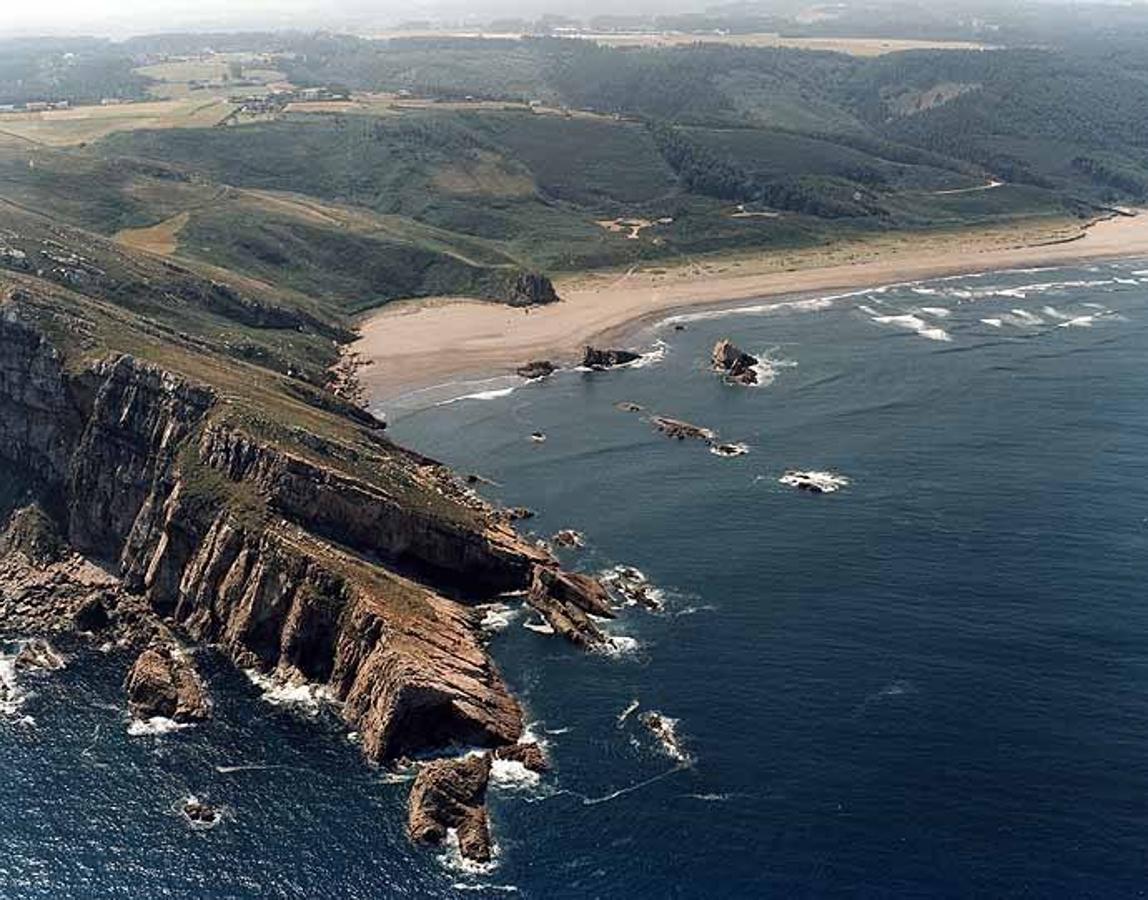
735	364
450	795
163	683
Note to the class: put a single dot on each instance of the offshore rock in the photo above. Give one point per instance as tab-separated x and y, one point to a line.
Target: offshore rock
736	365
676	428
529	754
450	794
593	358
164	683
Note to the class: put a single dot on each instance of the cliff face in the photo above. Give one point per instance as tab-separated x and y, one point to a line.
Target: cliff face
288	565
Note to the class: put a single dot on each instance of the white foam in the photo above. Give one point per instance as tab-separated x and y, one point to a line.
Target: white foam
511	775
14	697
1026	317
996	323
540	627
914	323
618	646
768	367
709	798
820	482
939	312
154	726
650	357
1053	313
728	450
452	858
497	616
484	886
1078	322
628	711
492	394
814	304
303	695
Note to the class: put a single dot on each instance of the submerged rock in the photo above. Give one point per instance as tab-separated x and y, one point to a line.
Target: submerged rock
163	683
199	815
593	358
632	586
665	730
518	513
814	482
539	368
568	538
627	406
529	754
450	794
676	428
736	365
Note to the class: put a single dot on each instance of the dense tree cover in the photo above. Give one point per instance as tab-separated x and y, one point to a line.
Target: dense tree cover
79	71
704	171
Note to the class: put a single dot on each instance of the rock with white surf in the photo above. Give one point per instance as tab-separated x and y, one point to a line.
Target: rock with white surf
164	684
734	364
567	600
450	795
598	360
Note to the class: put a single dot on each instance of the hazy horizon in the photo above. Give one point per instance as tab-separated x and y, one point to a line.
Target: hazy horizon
124	18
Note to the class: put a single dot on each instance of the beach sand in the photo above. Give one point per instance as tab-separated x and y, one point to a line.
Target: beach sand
411	345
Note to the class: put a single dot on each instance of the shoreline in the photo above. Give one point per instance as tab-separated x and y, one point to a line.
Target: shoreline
408	347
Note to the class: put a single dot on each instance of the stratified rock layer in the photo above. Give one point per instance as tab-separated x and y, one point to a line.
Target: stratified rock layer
450	794
171	514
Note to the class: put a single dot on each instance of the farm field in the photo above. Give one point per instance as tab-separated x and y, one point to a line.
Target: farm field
83	124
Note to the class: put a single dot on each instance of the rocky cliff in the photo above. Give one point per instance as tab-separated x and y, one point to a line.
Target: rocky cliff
296	557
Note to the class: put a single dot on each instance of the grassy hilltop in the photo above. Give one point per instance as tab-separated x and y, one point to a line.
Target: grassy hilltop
458	164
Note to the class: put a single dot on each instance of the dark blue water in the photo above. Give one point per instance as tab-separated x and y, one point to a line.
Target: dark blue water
933	682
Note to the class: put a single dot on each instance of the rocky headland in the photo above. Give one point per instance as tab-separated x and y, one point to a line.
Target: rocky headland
167	493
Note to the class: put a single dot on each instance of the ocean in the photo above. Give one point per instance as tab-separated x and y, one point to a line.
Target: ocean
932	681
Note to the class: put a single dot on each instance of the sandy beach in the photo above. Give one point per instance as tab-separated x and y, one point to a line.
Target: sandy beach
411	345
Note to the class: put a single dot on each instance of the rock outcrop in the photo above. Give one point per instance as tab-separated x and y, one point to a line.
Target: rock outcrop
531	289
538	368
450	795
593	358
735	364
163	683
567	601
39	654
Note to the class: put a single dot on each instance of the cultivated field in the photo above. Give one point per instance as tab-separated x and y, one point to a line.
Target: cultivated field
174	78
83	124
852	46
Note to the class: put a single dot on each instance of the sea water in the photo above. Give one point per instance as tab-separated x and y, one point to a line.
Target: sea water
932	681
